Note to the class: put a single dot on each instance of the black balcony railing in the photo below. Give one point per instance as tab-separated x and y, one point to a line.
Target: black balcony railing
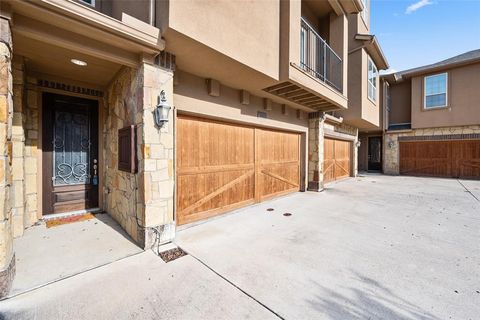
318	59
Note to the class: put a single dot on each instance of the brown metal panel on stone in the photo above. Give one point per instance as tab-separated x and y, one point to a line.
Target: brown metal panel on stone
337	160
223	166
450	159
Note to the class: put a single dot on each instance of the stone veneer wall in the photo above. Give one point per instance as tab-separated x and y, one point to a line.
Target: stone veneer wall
319	127
315	154
18	147
31	121
7	257
123	104
391	158
25	144
142	203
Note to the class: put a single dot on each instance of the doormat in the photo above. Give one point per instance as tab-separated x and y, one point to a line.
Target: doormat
172	254
58	222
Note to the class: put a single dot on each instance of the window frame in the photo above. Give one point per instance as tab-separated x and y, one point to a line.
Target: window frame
91	3
374	99
363	13
425	91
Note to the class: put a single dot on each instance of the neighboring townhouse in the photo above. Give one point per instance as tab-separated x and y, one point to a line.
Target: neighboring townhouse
163	113
365	60
432	118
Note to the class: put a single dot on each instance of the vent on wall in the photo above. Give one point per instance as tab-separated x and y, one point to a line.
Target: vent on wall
127	149
166	60
261	114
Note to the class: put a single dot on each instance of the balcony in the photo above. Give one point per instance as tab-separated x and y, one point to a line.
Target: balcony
318	59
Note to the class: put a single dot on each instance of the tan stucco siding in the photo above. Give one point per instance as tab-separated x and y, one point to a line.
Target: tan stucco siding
362	112
191	96
247	31
463	100
354	87
400	110
370	109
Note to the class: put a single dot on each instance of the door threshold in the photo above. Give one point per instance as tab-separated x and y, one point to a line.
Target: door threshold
70	214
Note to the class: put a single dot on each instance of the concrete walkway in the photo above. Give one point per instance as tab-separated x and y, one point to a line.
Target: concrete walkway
374	247
44	255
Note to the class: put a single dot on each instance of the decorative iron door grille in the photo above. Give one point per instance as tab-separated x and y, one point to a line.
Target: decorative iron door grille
71	148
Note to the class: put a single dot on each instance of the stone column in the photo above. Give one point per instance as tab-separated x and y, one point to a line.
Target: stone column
18	142
315	152
142	202
391	155
156	163
7	258
356	146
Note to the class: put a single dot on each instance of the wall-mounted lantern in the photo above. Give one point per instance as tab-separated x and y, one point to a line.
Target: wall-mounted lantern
161	110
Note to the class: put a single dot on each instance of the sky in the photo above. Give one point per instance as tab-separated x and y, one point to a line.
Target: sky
414	33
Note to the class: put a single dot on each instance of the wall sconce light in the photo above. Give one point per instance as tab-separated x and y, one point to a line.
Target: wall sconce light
161	110
358	144
391	144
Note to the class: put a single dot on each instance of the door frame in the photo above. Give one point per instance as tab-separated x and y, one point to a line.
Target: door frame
39	92
381	153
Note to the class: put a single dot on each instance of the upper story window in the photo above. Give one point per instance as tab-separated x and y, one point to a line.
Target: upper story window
89	2
372	80
364	13
436	91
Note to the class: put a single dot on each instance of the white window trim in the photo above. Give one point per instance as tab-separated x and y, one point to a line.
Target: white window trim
364	12
425	91
92	4
374	100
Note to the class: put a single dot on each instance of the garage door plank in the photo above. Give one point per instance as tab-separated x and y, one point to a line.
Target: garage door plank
450	159
221	166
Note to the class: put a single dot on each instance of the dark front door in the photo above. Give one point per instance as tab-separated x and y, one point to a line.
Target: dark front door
375	153
70	154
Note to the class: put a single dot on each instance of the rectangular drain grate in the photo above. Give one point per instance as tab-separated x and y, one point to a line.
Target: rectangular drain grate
172	254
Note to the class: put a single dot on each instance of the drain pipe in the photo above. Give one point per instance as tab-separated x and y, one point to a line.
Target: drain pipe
152	12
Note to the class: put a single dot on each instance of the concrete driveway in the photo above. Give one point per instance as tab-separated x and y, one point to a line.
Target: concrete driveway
374	247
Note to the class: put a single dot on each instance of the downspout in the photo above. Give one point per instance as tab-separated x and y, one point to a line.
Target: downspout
152	12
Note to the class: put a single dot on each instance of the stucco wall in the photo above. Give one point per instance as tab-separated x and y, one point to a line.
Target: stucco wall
391	158
463	100
362	112
370	109
190	95
400	109
251	35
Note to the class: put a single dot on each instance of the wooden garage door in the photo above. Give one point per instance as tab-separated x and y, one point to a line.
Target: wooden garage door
337	156
223	166
452	159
